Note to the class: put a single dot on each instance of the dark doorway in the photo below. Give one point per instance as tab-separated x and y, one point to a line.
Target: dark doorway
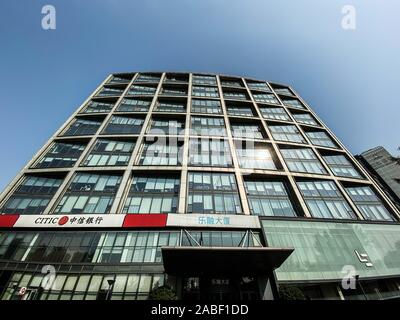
220	288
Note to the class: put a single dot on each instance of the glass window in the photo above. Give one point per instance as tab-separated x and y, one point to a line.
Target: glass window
121	78
258	86
255	157
170	90
210	92
123	125
153	195
146	77
208	126
32	195
110	91
368	203
274	113
209	152
321	138
302	160
134	105
204	80
294	103
282	90
89	193
170	106
98	106
162	152
287	133
231	83
82	127
236	95
265	98
305	118
214	193
139	90
61	155
166	127
269	198
206	106
241	111
247	130
341	166
324	200
109	153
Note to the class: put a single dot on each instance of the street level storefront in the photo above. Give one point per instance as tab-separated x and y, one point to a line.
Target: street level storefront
91	263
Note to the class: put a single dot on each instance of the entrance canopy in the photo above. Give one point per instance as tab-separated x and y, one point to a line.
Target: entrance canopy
223	260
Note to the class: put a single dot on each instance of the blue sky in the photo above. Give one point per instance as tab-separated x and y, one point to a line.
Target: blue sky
349	77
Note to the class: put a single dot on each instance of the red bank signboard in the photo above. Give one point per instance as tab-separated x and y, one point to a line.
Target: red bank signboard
128	221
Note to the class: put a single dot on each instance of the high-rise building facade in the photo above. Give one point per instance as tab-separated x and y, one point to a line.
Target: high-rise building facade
219	187
385	169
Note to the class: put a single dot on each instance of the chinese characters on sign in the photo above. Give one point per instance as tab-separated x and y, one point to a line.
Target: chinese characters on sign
210	220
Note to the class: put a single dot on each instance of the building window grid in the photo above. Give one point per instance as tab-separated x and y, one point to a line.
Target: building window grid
262	86
208	92
247	130
324	200
173	91
235	95
161	154
204	80
209	152
256	157
61	155
212	126
259	108
341	166
147	78
368	203
232	83
285	91
152	195
302	160
206	106
109	91
321	138
170	106
134	105
305	118
31	196
265	98
289	133
82	127
109	153
166	127
240	111
89	193
293	103
118	79
274	113
213	193
137	90
98	107
123	125
269	198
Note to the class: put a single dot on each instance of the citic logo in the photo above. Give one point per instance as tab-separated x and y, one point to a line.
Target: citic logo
52	220
63	220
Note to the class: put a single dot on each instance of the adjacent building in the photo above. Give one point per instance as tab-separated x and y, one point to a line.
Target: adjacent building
385	169
219	187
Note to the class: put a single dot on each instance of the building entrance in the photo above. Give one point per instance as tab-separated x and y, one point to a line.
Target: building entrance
220	288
